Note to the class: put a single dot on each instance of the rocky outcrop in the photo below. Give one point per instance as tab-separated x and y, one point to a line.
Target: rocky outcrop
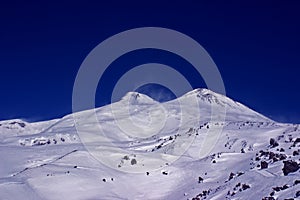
289	167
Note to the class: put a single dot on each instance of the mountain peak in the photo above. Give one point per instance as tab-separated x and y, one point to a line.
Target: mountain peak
138	98
235	111
201	92
210	97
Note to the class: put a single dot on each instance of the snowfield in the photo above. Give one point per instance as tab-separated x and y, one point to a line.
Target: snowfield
141	149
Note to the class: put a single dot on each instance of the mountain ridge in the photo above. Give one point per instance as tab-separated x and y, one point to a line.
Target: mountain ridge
173	150
203	93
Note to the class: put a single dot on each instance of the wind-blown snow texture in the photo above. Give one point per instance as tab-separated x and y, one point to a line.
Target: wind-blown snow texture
254	158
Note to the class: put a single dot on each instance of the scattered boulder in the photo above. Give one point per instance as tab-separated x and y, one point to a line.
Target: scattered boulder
277	189
200	179
271	155
240	173
289	167
285	187
297	194
264	165
231	176
264	153
203	195
245	186
282	157
296	141
273	143
165	173
296	182
133	161
237	185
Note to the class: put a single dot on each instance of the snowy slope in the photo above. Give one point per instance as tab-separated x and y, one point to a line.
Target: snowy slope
141	149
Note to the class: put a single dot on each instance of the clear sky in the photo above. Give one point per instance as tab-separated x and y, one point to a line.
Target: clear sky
255	45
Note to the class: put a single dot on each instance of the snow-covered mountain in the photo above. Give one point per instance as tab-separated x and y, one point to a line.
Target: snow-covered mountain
138	148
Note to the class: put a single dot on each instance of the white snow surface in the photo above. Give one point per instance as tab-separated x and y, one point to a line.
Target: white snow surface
151	150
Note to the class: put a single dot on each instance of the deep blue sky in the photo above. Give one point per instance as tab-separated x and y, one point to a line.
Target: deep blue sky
254	44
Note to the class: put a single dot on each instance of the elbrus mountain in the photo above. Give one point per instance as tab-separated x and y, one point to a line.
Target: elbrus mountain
202	145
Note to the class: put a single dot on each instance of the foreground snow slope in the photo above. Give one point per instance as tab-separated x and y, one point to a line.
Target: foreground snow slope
47	160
